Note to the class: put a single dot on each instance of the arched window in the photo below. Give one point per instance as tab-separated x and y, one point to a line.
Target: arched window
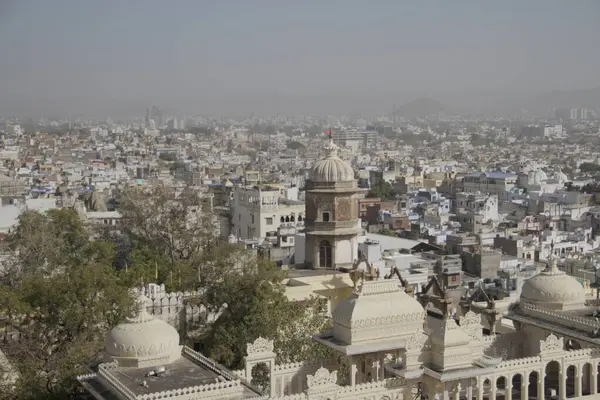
299	218
292	219
282	219
325	255
287	219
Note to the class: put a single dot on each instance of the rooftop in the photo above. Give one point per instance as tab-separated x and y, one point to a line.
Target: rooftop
493	175
179	374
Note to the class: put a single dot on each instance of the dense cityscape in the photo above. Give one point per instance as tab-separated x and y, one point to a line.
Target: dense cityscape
187	214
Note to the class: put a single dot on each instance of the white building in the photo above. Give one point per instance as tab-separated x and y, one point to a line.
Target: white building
259	212
388	345
498	183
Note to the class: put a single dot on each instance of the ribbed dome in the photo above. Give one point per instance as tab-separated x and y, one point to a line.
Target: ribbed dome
553	289
332	168
379	309
143	341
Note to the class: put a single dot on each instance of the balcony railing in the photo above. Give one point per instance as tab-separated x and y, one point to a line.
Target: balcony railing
333	225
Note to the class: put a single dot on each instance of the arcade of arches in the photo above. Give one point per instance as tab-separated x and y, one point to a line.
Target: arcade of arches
576	380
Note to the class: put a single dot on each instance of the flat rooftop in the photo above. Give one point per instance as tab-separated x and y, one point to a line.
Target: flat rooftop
179	374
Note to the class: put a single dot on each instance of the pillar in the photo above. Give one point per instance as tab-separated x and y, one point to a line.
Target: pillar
470	391
562	384
525	386
540	388
353	371
578	376
333	253
508	390
480	388
594	378
315	263
492	395
456	392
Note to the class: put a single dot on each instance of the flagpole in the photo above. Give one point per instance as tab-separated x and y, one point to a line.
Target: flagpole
155	271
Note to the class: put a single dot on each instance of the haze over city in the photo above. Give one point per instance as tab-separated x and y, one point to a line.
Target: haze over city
68	57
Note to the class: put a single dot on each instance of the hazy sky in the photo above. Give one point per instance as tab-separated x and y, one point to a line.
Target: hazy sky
300	56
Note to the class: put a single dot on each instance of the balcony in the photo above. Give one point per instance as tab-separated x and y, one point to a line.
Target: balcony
333	227
287	230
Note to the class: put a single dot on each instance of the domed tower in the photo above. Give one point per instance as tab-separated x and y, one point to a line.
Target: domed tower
332	223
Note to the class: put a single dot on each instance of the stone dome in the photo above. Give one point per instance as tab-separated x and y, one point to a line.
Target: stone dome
143	341
377	310
553	289
332	168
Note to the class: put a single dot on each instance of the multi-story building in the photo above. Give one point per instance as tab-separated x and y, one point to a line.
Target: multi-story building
355	138
260	212
499	183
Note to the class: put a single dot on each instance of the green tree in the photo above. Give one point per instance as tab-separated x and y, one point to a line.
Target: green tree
388	232
244	291
256	305
382	189
168	156
50	239
162	220
62	304
295	146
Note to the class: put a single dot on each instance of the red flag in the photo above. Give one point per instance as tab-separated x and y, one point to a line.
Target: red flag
327	131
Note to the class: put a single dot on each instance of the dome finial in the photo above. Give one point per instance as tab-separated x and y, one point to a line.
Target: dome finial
331	148
553	266
141	312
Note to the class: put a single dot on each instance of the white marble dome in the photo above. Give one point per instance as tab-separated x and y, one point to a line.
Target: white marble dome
332	168
143	341
378	310
553	289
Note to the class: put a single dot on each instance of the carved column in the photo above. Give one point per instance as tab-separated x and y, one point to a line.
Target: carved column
492	395
525	386
562	384
470	391
540	388
456	392
508	387
480	388
578	376
315	263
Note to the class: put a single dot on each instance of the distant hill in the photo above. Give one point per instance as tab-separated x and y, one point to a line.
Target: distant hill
419	108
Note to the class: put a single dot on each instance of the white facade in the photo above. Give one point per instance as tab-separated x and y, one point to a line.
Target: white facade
479	204
260	212
388	345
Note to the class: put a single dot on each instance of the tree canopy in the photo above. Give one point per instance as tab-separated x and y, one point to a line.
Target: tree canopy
182	250
588	167
61	295
64	288
383	190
